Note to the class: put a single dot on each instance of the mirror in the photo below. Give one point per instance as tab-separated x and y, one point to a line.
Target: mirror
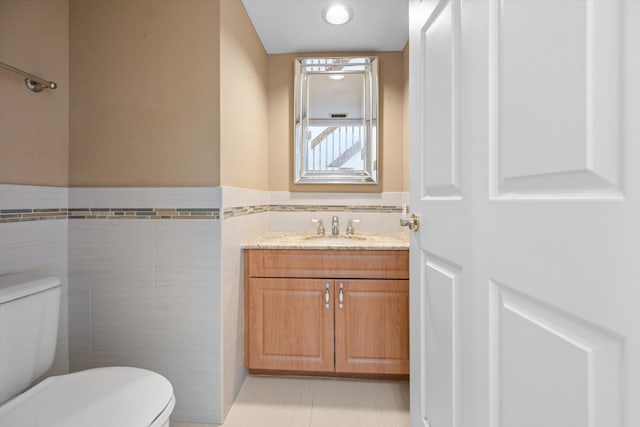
336	120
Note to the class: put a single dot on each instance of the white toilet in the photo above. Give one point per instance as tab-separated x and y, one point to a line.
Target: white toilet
101	397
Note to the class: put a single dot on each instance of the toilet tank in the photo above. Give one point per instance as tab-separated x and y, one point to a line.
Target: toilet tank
29	309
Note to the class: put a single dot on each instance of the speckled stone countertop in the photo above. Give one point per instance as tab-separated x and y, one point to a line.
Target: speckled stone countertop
360	241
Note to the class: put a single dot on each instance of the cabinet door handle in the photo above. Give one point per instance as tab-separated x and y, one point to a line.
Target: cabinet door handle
327	297
341	296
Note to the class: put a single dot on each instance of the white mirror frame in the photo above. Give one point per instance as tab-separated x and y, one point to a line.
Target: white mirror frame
367	126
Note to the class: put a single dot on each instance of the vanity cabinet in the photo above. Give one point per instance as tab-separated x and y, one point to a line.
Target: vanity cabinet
290	327
372	326
334	312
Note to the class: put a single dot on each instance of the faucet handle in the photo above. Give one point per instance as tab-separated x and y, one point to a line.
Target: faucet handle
320	225
350	230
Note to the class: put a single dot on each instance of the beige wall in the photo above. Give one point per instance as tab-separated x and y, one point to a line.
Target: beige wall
392	82
144	93
34	126
243	101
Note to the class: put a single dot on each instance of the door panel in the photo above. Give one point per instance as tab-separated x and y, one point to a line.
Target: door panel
541	355
558	98
442	374
291	328
556	167
438	249
439	50
524	284
372	326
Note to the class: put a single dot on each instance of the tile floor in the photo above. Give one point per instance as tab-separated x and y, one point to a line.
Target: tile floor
316	402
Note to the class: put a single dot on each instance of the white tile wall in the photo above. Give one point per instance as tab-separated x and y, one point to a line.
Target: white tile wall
195	379
234	232
146	293
184	253
38	246
370	222
149	197
32	197
386	199
112	253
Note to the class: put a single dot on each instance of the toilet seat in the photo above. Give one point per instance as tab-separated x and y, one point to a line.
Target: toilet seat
101	397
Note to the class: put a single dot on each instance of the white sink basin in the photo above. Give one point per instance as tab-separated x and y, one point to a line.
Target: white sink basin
334	239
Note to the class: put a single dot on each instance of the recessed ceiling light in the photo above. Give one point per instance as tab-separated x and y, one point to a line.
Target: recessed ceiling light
337	13
336	76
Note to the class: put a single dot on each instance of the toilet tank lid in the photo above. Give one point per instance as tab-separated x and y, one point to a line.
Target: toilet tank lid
19	285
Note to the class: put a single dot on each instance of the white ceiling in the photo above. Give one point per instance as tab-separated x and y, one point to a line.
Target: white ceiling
296	25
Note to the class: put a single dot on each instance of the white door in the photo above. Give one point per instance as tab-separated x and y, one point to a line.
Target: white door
525	172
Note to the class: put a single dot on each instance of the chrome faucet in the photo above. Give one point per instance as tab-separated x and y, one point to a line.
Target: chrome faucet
335	226
320	226
350	230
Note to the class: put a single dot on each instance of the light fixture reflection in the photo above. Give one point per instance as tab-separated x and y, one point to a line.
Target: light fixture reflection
336	76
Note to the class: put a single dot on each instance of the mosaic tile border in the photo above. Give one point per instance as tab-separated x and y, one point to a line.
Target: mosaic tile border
336	208
249	210
144	213
23	215
237	211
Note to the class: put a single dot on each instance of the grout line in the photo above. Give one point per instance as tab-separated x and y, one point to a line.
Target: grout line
155	258
313	400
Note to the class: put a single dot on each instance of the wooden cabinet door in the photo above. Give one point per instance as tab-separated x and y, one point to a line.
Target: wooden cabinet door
372	326
290	324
